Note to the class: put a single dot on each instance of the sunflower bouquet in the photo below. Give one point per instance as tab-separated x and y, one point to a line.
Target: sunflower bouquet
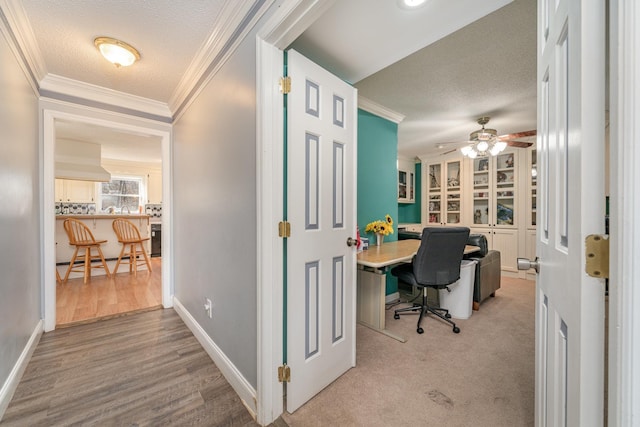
384	227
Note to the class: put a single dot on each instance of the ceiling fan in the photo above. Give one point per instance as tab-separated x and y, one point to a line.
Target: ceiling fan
484	142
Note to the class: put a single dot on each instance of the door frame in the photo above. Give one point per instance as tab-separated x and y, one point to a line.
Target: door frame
291	19
624	214
50	111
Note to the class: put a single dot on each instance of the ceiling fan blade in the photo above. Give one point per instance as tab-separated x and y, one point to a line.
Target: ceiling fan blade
518	135
519	144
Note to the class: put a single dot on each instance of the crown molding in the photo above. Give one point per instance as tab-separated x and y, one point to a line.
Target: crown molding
379	110
232	25
15	25
99	94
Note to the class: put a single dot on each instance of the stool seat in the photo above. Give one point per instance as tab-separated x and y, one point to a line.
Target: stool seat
129	235
81	237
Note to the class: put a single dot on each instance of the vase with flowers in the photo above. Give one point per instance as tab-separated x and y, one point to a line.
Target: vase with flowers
381	228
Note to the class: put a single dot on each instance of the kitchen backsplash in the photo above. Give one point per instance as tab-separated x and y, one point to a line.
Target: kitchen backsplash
153	210
75	208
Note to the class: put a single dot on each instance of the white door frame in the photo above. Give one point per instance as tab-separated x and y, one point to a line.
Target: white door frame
291	19
624	284
287	23
51	110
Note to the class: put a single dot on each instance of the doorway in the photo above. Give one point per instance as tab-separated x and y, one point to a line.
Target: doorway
52	111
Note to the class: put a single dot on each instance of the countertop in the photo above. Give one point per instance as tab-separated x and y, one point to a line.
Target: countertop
102	216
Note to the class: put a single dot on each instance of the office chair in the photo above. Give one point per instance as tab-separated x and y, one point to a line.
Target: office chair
436	265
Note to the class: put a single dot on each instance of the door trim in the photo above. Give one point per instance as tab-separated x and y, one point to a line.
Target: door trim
50	110
291	19
624	294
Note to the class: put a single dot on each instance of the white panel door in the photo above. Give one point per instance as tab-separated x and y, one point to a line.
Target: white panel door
569	303
321	273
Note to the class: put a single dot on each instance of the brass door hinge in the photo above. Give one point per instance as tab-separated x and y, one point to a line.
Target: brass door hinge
285	85
284	373
284	229
597	256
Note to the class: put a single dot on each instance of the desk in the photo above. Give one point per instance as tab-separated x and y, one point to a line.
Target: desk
372	267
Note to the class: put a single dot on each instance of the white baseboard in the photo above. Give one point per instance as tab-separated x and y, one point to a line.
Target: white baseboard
244	389
10	385
392	298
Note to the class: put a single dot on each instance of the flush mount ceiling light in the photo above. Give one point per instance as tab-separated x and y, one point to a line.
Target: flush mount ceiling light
116	51
411	4
483	142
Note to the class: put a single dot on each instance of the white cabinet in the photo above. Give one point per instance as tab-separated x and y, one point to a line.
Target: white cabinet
503	240
154	187
406	181
495	190
443	201
72	191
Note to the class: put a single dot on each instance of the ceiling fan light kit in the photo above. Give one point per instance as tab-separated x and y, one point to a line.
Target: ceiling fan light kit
117	52
483	142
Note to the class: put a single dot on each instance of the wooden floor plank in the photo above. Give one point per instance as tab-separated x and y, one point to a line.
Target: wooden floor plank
102	297
145	369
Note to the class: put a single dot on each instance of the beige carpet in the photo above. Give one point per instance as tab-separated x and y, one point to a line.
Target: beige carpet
483	376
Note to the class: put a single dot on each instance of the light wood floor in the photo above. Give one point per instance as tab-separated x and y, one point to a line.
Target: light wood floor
103	297
146	369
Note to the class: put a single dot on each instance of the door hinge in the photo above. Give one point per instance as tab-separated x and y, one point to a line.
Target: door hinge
284	374
285	84
284	229
597	256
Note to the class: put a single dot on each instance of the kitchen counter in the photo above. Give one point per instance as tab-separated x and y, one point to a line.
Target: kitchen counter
102	229
104	216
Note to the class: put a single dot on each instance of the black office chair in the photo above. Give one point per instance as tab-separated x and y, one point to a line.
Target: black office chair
436	265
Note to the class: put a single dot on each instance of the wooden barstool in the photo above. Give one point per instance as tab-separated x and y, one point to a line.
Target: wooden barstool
129	235
81	237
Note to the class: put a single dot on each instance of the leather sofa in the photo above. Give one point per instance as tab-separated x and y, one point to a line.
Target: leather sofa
487	280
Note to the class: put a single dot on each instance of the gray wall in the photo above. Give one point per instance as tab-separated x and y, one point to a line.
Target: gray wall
19	211
214	208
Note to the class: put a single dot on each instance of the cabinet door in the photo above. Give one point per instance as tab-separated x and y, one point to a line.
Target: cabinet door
504	190
482	214
533	190
453	193
406	181
80	191
433	200
59	191
506	241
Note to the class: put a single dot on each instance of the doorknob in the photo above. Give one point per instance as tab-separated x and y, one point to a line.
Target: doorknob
526	264
351	241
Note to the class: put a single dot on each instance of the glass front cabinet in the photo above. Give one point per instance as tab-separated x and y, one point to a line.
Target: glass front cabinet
406	181
495	213
444	193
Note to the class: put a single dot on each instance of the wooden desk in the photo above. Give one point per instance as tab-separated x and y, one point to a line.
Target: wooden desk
372	268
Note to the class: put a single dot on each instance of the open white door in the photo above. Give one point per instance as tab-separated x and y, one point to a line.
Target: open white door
569	303
321	138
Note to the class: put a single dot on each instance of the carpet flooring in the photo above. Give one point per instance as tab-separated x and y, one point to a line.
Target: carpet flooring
483	376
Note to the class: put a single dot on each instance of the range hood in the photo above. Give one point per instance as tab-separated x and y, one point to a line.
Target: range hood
80	161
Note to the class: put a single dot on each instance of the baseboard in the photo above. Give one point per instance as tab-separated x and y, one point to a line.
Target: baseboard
241	386
10	385
394	297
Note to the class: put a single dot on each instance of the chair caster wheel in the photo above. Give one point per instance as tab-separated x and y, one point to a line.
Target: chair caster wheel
396	316
456	330
447	315
420	331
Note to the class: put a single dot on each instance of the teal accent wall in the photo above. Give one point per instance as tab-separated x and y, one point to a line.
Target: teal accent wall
377	169
410	212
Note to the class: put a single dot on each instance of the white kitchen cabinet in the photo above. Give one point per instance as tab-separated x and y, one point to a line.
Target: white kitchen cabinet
154	187
73	191
443	201
406	181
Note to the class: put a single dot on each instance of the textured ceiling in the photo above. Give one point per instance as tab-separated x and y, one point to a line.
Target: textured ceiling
487	68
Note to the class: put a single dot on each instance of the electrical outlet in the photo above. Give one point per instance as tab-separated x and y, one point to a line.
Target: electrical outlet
208	306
